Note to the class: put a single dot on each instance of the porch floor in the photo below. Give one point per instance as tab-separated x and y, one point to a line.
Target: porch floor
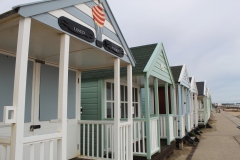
166	150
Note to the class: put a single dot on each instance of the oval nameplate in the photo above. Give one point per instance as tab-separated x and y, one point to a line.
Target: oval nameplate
76	29
113	48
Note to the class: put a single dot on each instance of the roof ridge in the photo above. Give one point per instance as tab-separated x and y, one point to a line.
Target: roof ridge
143	45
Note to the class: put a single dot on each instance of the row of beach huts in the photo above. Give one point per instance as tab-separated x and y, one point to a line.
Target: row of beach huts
71	88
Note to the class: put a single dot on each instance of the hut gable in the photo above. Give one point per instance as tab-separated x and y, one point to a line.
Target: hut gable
103	25
194	88
157	64
180	75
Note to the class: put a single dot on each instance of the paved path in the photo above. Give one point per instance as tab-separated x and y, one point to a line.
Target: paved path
222	142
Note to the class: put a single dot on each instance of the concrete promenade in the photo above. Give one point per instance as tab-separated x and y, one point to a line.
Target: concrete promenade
222	142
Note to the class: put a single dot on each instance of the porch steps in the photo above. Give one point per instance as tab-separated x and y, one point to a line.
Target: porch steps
166	150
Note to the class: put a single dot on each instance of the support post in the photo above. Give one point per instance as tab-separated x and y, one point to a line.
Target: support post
78	107
19	94
172	99
157	112
196	110
117	109
62	95
129	89
167	113
147	112
180	109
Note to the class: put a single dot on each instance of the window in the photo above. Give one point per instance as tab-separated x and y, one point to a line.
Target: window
123	99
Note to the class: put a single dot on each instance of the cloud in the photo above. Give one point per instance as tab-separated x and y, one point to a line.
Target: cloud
203	34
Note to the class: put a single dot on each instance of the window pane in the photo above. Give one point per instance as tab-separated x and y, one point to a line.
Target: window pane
122	92
122	110
126	93
126	110
136	106
109	110
112	91
108	91
136	95
112	110
133	95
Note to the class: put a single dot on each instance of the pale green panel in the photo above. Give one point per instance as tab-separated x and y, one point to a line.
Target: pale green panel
90	100
159	67
154	74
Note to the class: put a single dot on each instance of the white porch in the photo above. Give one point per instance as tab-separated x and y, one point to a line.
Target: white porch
40	43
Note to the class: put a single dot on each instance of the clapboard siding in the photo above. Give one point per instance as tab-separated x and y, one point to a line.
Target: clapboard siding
143	102
90	100
158	65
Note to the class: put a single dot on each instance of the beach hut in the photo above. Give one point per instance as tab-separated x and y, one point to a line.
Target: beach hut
182	84
151	74
44	47
193	103
204	103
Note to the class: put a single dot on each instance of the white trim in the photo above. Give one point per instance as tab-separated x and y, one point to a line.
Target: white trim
62	94
19	94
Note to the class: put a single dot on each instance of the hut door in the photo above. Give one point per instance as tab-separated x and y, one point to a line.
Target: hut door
46	105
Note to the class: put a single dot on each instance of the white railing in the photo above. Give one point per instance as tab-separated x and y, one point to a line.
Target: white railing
139	135
124	149
4	148
179	125
164	127
97	139
192	121
196	119
201	116
42	146
154	134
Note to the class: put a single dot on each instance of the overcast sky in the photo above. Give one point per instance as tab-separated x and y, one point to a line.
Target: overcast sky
203	34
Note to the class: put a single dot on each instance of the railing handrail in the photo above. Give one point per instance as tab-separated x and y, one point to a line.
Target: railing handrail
5	140
95	122
40	138
125	124
139	119
154	118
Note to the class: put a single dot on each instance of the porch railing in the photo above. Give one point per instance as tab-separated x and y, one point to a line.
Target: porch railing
201	116
139	136
179	125
154	134
42	146
4	148
97	139
164	127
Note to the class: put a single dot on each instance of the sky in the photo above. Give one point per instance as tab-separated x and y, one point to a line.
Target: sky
203	34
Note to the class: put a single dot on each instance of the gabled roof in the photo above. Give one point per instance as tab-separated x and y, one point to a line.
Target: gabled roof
180	75
176	71
80	11
201	88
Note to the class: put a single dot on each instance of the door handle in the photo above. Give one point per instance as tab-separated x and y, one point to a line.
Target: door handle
32	127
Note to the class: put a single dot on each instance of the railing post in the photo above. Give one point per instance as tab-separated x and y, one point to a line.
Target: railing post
130	132
62	95
19	94
157	111
167	114
117	110
147	112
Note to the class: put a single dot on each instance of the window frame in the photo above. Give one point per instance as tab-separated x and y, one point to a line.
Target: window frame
122	83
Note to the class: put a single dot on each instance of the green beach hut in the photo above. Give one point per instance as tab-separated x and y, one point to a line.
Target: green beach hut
152	92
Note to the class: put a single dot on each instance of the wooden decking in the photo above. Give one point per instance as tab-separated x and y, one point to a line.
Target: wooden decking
166	150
